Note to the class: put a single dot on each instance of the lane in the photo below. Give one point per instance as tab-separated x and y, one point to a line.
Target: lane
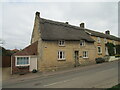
91	80
79	78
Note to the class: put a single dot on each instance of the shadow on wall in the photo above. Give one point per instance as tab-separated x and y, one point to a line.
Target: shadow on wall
6	73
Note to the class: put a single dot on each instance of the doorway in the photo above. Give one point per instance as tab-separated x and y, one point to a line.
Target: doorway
76	58
33	63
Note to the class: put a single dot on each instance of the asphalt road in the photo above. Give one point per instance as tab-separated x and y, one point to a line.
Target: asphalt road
103	75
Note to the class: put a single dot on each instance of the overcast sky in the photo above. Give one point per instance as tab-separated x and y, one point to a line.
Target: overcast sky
18	18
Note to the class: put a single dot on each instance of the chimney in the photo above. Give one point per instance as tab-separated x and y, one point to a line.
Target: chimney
67	22
82	25
107	32
37	14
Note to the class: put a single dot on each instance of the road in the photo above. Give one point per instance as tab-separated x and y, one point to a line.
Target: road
103	75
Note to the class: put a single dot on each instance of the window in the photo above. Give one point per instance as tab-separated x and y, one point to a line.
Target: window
99	50
61	55
61	43
106	50
114	50
105	40
98	39
85	54
113	42
22	61
82	43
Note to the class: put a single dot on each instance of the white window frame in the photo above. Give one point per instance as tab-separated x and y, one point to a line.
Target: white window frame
106	50
105	40
22	64
98	39
60	43
114	50
100	50
83	42
63	55
85	56
114	42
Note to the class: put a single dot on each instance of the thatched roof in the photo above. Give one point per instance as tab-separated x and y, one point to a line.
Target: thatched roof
53	30
102	35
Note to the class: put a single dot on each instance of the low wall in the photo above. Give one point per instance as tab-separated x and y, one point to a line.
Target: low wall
113	58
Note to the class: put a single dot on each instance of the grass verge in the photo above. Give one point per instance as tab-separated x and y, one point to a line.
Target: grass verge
116	87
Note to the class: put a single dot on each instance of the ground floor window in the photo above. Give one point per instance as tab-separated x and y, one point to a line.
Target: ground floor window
106	51
61	55
22	61
99	50
114	50
85	54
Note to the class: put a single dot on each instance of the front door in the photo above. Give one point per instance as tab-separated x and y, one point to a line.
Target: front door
33	63
76	53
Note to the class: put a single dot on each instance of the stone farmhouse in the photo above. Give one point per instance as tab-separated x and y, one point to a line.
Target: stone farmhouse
55	45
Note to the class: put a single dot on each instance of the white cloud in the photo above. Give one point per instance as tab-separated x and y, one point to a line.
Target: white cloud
18	18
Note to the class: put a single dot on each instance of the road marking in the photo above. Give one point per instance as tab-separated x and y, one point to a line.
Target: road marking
57	83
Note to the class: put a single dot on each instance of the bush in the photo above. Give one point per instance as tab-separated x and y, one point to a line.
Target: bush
34	71
99	60
116	87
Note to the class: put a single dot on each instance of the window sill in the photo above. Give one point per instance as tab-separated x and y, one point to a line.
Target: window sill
23	65
61	45
61	59
85	57
82	45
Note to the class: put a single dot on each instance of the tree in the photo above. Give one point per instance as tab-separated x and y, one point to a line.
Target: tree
110	47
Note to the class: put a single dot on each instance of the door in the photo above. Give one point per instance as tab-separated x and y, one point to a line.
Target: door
33	63
106	50
76	57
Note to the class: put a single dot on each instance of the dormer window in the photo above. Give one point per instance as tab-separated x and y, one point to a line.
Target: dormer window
98	39
105	40
82	43
61	43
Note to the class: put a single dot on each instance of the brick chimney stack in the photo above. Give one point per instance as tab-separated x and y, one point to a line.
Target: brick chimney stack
82	25
37	14
67	22
107	32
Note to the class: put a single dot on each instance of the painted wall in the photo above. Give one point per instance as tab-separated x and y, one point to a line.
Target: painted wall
33	63
102	44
